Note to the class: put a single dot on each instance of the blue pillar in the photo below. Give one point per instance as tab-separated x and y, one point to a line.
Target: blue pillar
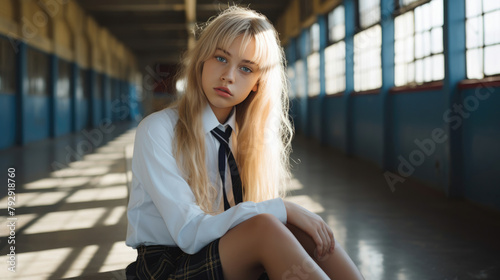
387	23
75	113
53	112
350	25
93	102
455	71
22	87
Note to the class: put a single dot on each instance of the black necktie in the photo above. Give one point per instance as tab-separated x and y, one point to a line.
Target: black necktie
223	138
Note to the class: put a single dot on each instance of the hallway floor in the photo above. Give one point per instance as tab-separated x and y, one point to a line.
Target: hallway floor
71	214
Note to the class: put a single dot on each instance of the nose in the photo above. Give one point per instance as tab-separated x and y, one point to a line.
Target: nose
228	75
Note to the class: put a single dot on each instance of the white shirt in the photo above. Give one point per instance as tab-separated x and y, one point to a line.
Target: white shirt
162	209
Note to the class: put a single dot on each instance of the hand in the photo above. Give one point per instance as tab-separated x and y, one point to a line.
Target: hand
313	225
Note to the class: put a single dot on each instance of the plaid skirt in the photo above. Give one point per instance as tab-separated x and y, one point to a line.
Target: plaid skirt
171	263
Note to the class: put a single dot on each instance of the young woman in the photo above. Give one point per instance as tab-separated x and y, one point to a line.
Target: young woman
209	171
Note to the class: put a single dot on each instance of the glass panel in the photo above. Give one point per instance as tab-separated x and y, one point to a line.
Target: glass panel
313	73
473	8
409	57
492	28
336	24
426	43
63	81
291	79
490	5
419	71
492	60
475	64
369	12
299	70
474	32
438	67
437	12
7	67
428	69
38	66
426	16
411	73
437	40
314	37
367	59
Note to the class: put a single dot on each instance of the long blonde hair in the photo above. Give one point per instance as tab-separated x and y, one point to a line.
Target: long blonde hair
263	128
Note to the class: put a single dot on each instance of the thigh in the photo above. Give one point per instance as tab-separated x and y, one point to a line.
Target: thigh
240	248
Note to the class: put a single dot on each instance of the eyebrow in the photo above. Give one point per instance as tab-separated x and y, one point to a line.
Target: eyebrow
229	54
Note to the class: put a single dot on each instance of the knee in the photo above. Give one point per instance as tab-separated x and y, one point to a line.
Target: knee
267	225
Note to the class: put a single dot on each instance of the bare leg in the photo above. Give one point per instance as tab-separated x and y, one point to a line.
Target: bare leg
338	265
263	243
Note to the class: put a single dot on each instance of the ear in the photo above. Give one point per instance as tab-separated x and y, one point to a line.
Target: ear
255	87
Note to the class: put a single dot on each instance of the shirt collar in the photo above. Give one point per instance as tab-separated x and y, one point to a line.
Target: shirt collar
210	121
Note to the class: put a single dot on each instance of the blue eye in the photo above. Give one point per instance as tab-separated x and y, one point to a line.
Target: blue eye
220	58
246	69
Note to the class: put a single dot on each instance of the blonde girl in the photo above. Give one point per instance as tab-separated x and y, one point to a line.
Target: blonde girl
209	172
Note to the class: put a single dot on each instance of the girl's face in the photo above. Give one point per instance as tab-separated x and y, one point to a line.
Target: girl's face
228	77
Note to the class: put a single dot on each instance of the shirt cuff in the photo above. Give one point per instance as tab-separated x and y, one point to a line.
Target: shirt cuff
275	207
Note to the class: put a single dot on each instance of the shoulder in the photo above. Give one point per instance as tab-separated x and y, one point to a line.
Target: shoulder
159	124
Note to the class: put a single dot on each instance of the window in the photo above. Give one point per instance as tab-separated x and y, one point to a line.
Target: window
38	69
83	85
291	79
299	72
482	38
63	81
335	53
418	46
313	61
367	59
369	12
7	67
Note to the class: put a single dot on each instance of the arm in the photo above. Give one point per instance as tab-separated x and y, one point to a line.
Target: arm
313	225
157	176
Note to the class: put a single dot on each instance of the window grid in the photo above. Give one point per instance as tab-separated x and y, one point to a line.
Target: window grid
7	67
482	38
418	46
299	71
367	59
313	62
335	53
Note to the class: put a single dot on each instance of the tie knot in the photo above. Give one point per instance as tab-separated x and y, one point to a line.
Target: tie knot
222	136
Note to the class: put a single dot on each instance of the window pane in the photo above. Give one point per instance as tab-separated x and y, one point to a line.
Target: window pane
490	5
473	8
299	70
369	12
438	67
367	60
335	68
336	24
437	12
475	64
474	32
291	79
492	28
63	81
428	69
492	60
313	73
38	69
314	37
437	40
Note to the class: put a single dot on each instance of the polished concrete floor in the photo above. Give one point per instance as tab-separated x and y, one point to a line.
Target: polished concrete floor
71	196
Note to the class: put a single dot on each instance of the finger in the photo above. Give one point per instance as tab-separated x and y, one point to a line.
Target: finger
332	236
328	242
319	244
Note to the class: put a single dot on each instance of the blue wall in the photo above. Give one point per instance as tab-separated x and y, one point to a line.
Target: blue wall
411	132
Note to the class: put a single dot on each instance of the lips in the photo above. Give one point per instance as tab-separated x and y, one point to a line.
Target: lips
223	90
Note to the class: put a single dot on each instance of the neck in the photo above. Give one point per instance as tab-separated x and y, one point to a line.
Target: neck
222	114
